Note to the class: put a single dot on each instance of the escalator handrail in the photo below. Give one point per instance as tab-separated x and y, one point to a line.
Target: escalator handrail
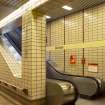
98	85
8	35
70	74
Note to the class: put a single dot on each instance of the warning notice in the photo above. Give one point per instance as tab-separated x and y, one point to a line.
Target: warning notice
93	68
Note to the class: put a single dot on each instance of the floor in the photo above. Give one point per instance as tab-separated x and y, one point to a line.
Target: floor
7	100
4	101
101	101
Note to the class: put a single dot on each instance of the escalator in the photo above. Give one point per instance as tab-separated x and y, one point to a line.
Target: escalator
14	37
88	87
63	92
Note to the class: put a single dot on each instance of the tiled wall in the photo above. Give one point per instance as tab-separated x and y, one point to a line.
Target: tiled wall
95	56
73	35
9	68
89	25
48	41
74	28
94	23
57	38
75	69
33	53
57	32
94	28
33	57
5	73
48	37
67	30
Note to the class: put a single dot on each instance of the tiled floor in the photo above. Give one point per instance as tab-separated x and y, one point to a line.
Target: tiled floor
101	101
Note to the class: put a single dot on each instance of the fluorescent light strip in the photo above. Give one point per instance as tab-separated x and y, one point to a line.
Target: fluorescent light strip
48	17
67	8
31	4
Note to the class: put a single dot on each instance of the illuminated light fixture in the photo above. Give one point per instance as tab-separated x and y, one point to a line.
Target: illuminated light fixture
67	8
48	17
30	5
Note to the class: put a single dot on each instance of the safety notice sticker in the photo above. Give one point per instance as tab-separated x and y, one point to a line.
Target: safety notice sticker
93	68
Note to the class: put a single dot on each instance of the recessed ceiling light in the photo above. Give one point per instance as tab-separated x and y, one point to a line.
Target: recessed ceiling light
67	7
48	17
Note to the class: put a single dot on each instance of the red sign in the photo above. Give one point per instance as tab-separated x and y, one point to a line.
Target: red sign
73	59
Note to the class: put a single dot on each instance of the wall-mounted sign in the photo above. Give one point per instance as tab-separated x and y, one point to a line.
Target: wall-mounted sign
93	68
73	59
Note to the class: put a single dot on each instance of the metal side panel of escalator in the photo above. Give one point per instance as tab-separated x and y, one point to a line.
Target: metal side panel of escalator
60	92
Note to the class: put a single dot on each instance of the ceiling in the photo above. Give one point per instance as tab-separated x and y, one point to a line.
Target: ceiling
8	6
12	3
54	9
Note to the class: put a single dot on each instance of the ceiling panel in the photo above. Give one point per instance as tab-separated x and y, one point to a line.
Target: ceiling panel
4	11
8	6
12	3
54	9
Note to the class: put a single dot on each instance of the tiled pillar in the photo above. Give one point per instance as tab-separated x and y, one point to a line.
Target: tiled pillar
33	54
